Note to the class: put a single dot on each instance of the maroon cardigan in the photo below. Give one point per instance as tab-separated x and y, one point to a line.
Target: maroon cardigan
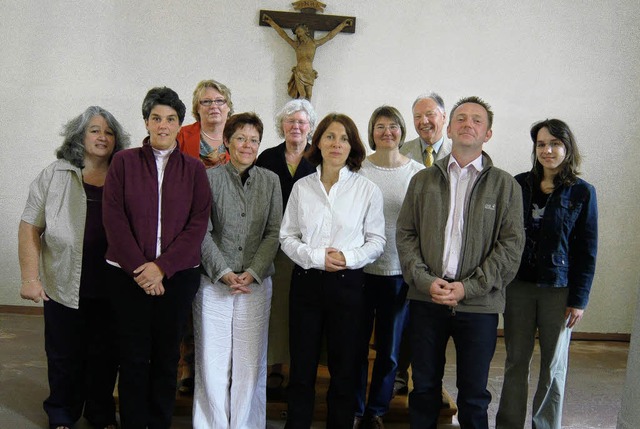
130	210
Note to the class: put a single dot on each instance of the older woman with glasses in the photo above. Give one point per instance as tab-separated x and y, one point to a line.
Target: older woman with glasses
61	245
211	105
295	124
333	226
231	309
384	288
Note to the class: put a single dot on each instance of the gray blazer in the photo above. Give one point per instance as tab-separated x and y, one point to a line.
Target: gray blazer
413	149
244	224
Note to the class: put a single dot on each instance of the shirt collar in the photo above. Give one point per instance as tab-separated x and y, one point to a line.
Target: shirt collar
344	172
477	163
436	146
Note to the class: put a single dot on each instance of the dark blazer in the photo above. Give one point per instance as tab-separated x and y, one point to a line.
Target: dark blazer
130	210
273	159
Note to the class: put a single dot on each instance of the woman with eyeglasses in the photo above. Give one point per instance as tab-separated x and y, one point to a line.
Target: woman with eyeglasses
295	123
61	245
231	309
332	227
384	288
211	105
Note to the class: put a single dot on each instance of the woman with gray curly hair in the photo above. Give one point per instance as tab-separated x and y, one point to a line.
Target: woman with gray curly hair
295	123
61	231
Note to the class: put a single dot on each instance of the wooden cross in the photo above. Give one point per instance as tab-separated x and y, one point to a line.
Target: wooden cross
308	16
304	25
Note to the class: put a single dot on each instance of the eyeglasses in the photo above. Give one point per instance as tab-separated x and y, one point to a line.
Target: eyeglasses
298	122
243	140
382	128
218	102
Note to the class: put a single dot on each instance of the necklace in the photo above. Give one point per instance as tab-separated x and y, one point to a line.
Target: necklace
209	137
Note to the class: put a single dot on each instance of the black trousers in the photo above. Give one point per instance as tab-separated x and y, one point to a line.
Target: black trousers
149	333
329	304
82	362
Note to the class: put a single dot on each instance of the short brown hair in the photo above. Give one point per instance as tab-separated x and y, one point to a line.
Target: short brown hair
386	112
240	120
475	100
357	153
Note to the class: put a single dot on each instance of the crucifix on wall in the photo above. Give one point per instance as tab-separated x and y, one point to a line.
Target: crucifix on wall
304	24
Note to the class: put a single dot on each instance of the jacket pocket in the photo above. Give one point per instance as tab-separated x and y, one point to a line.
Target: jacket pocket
568	212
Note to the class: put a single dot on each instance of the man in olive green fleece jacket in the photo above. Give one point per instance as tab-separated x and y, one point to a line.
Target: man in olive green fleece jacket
460	237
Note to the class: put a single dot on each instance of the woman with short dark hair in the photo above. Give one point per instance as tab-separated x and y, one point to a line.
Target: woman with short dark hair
551	289
231	309
156	205
332	227
61	230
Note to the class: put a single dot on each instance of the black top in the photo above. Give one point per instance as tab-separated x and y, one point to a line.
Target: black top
94	247
528	266
273	159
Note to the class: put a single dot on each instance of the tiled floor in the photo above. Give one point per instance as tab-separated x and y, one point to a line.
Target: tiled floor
596	377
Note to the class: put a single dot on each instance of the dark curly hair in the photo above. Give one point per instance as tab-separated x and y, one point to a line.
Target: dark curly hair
166	97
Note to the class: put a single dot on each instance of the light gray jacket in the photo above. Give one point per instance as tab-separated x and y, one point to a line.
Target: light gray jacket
413	149
244	224
57	203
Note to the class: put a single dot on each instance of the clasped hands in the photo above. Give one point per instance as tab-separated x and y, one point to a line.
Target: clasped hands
149	277
446	293
238	283
334	260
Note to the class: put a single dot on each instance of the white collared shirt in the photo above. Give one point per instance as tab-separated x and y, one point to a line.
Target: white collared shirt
349	218
461	182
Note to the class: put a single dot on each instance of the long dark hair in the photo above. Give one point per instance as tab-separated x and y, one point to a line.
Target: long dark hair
569	172
357	153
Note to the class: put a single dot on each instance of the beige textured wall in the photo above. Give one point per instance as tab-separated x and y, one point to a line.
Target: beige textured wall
578	61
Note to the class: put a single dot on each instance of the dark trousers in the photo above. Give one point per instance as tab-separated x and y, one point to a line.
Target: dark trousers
330	304
386	303
149	333
474	336
82	362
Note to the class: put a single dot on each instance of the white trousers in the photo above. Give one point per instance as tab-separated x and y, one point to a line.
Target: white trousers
231	356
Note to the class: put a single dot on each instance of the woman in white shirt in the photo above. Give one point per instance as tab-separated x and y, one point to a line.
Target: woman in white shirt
332	227
385	290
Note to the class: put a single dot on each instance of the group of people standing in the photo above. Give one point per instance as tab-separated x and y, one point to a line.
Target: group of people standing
308	246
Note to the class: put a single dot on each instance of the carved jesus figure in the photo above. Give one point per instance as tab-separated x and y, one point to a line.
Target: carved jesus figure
303	75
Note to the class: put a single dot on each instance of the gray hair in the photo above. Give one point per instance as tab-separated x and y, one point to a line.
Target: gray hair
430	96
73	132
294	106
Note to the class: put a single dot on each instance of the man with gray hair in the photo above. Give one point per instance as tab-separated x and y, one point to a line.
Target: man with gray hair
429	118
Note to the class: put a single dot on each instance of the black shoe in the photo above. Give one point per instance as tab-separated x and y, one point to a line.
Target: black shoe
357	422
372	422
400	387
185	386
